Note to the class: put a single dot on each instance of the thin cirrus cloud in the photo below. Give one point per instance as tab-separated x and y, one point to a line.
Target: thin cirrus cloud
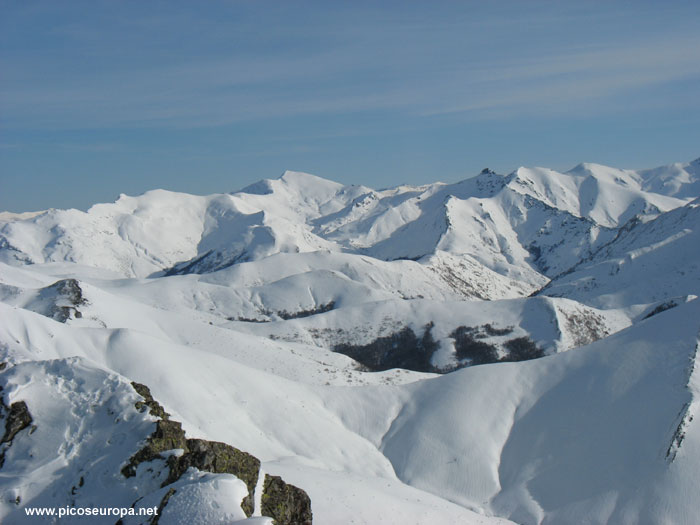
414	69
553	83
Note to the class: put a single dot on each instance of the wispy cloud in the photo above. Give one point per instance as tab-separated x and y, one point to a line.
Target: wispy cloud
553	83
429	67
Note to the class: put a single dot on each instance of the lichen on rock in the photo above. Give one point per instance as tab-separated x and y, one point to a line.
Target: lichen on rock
155	408
218	458
167	436
284	503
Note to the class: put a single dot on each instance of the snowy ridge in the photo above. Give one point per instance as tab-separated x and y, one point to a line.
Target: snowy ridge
511	215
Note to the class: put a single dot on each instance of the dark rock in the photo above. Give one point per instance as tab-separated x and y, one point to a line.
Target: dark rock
18	418
68	290
284	503
155	408
155	519
167	436
207	456
219	458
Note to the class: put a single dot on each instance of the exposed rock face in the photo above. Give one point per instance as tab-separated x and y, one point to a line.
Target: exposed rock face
152	404
286	504
167	436
219	458
67	295
17	418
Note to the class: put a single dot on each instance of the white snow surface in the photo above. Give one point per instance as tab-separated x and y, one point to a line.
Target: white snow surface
229	306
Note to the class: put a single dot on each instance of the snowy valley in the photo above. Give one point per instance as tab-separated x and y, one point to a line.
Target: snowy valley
511	348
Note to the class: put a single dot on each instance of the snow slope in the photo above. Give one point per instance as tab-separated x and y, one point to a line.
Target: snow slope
514	451
602	434
276	419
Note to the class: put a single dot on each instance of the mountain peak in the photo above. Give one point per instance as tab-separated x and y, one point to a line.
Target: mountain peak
590	167
292	179
300	177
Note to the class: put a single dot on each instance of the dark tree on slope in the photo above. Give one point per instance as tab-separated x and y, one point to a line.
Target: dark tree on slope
402	349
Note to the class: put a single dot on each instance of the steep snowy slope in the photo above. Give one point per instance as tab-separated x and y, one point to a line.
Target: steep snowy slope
647	262
608	196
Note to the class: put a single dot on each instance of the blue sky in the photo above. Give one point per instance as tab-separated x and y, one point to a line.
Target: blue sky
99	98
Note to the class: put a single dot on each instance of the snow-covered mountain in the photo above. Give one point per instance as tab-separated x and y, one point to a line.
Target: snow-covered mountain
618	274
295	338
513	225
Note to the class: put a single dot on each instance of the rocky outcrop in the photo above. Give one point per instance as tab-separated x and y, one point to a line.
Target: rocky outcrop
70	292
17	418
64	297
286	504
219	458
153	405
